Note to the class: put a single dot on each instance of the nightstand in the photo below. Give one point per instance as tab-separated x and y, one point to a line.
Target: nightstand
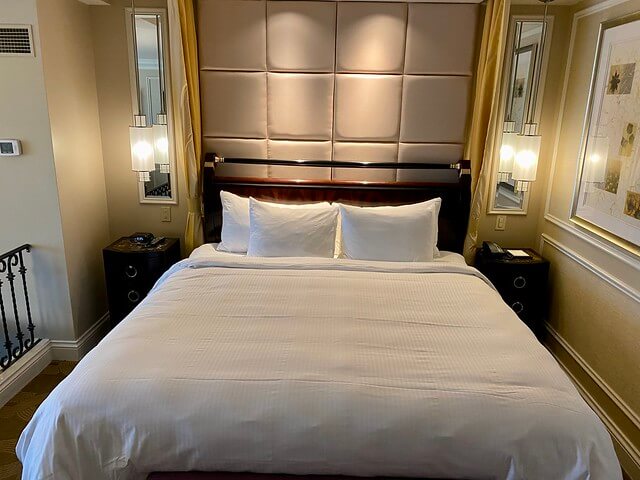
131	269
522	283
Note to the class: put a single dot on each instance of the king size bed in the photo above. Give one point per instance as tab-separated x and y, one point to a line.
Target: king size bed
319	366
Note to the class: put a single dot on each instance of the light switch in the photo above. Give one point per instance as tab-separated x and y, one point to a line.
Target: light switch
501	222
165	214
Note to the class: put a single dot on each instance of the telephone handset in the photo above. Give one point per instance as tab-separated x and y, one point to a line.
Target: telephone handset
493	249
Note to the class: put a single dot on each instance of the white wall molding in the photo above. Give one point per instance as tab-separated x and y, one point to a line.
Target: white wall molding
76	349
592	240
623	441
24	370
596	270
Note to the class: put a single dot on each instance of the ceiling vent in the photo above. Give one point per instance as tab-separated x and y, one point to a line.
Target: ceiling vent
16	40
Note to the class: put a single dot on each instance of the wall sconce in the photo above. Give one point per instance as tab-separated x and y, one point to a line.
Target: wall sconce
508	151
161	143
140	136
142	151
526	160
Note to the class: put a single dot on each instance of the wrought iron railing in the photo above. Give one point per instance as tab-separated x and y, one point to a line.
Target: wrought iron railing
12	268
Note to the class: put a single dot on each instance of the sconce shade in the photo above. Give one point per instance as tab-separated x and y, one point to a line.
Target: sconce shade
161	145
142	151
508	152
526	160
597	159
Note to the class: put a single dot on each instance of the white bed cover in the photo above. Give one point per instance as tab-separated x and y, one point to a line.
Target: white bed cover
318	366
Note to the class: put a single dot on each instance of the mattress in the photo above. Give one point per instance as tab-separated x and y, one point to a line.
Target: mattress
318	366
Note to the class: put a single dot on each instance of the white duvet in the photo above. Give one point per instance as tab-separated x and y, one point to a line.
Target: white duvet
318	366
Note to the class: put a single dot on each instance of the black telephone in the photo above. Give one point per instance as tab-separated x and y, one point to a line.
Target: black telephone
142	237
493	249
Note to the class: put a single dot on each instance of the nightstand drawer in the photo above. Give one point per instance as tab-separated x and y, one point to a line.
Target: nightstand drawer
131	270
522	283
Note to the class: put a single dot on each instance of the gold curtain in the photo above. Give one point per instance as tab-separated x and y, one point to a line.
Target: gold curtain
486	123
183	48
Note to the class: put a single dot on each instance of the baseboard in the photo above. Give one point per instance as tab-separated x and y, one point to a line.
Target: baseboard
613	412
24	370
74	350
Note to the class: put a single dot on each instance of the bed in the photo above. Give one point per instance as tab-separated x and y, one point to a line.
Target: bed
317	366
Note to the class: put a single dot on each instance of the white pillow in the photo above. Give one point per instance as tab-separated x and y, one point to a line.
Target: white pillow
279	230
235	223
407	233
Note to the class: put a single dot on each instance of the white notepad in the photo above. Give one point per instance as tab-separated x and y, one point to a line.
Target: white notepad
518	253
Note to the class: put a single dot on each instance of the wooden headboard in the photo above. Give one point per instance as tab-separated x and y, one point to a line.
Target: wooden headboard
454	213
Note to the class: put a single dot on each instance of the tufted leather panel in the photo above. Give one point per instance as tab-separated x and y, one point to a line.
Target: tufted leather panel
309	80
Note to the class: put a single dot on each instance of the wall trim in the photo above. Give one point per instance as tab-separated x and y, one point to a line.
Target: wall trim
25	370
615	282
591	240
619	437
76	349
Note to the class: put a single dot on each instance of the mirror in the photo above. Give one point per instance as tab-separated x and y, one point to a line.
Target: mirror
151	41
521	104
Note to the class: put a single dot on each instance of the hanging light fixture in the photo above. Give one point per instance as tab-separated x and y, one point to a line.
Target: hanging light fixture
507	150
140	135
160	129
528	143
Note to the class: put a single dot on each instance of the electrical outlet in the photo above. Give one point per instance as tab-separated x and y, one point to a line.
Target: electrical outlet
165	214
501	222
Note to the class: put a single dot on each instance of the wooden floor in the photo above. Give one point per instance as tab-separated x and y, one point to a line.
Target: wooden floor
15	415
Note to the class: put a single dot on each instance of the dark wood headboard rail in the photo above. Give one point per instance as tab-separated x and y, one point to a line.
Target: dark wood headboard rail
454	212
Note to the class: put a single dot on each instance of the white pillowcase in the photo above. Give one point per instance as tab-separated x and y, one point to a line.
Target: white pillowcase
279	230
406	233
235	223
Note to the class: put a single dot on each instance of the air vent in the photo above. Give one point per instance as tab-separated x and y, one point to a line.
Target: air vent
16	40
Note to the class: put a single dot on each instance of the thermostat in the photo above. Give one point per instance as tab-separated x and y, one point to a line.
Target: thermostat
10	148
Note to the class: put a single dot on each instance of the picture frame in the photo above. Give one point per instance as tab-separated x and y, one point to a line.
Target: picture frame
606	198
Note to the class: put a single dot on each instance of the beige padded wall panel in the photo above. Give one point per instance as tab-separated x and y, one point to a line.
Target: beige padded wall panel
295	150
238	148
441	38
301	36
434	109
367	107
292	98
234	104
430	152
371	37
336	80
232	34
365	152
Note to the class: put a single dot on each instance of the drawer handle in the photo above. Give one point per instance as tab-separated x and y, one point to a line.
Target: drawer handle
131	271
517	307
519	282
133	296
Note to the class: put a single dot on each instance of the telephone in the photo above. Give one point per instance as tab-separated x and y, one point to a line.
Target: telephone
493	249
142	237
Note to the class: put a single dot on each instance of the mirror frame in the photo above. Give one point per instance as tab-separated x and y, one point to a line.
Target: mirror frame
173	176
492	209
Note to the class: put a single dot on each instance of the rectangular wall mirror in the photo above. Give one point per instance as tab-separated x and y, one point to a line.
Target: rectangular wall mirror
523	65
153	83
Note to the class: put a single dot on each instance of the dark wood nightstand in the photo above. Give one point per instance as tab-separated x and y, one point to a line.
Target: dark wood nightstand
131	269
522	283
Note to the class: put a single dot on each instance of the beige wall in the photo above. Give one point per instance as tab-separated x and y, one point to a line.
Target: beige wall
70	81
126	214
521	230
595	289
29	208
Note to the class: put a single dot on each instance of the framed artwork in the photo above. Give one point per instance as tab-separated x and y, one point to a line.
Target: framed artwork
607	196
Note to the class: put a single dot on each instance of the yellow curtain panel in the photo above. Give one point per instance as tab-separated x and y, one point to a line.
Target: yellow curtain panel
485	118
183	47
